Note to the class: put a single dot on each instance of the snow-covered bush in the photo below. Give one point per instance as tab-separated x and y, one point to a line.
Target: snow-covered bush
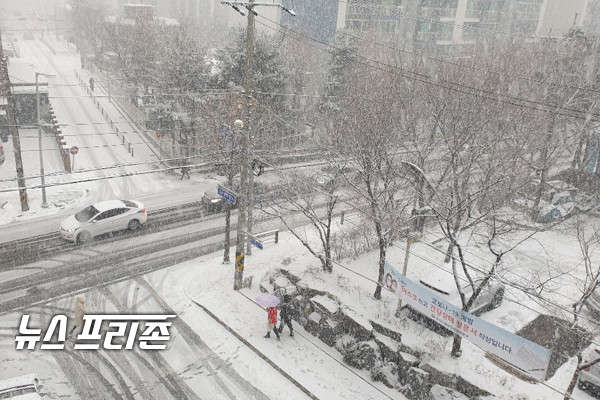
385	372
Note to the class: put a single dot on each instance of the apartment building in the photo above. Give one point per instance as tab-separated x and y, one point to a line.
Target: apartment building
433	24
462	22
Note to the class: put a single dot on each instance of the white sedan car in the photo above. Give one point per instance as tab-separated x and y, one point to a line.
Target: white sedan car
103	217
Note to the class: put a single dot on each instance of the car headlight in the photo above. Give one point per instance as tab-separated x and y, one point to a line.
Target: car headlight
215	201
70	230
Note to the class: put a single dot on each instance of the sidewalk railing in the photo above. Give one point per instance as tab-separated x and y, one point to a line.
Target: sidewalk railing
113	126
60	140
274	239
136	115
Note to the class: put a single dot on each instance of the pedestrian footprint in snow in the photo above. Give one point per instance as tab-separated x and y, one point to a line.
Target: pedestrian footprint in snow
286	314
79	313
272	322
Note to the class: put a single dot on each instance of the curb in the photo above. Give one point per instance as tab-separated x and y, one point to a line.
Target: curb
255	350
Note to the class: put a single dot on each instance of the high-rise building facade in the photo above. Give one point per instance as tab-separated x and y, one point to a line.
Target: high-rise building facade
439	23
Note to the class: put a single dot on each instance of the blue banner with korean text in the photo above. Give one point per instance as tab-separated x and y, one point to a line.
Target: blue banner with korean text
524	354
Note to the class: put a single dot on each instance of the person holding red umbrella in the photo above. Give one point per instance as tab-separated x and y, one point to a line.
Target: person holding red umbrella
272	322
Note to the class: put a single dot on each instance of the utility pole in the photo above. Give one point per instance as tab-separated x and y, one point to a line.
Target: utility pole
240	243
39	129
13	129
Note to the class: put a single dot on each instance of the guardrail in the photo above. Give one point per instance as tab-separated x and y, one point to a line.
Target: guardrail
274	239
60	140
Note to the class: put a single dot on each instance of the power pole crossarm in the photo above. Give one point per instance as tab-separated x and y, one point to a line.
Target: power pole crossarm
251	4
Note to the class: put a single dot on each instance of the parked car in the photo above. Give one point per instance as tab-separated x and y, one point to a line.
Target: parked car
589	379
103	217
24	387
444	286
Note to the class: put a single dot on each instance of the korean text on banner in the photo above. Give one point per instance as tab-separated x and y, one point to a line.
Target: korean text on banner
524	354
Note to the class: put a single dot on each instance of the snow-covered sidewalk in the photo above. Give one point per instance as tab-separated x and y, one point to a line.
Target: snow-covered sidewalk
310	362
318	368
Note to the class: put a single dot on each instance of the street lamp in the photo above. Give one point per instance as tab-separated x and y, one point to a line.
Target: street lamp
37	108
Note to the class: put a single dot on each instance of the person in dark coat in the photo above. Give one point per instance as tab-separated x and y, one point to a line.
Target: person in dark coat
272	322
92	84
286	314
185	171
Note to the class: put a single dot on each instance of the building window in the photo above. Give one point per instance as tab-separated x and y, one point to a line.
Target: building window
376	16
470	31
433	32
527	9
438	8
525	26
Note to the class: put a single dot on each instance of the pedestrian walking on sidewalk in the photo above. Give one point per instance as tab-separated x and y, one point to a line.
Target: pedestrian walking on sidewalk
285	313
79	313
92	84
185	171
272	322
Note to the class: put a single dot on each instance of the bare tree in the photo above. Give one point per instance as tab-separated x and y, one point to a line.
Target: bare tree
365	135
315	198
587	244
217	117
480	169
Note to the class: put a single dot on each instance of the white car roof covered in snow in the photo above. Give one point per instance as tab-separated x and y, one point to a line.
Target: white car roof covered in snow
109	205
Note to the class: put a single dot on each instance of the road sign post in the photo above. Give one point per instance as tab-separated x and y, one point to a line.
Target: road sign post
74	150
256	242
227	194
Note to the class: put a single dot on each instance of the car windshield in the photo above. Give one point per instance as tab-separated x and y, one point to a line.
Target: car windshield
85	214
129	203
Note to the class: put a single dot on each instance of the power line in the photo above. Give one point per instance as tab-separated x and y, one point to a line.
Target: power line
456	64
97	178
460	88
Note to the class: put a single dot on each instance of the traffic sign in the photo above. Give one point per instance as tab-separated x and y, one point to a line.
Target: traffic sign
256	243
74	150
226	194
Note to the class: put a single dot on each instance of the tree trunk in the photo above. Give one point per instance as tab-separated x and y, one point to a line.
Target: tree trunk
574	379
227	234
540	190
250	220
449	252
456	351
544	162
328	264
327	243
382	252
576	162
